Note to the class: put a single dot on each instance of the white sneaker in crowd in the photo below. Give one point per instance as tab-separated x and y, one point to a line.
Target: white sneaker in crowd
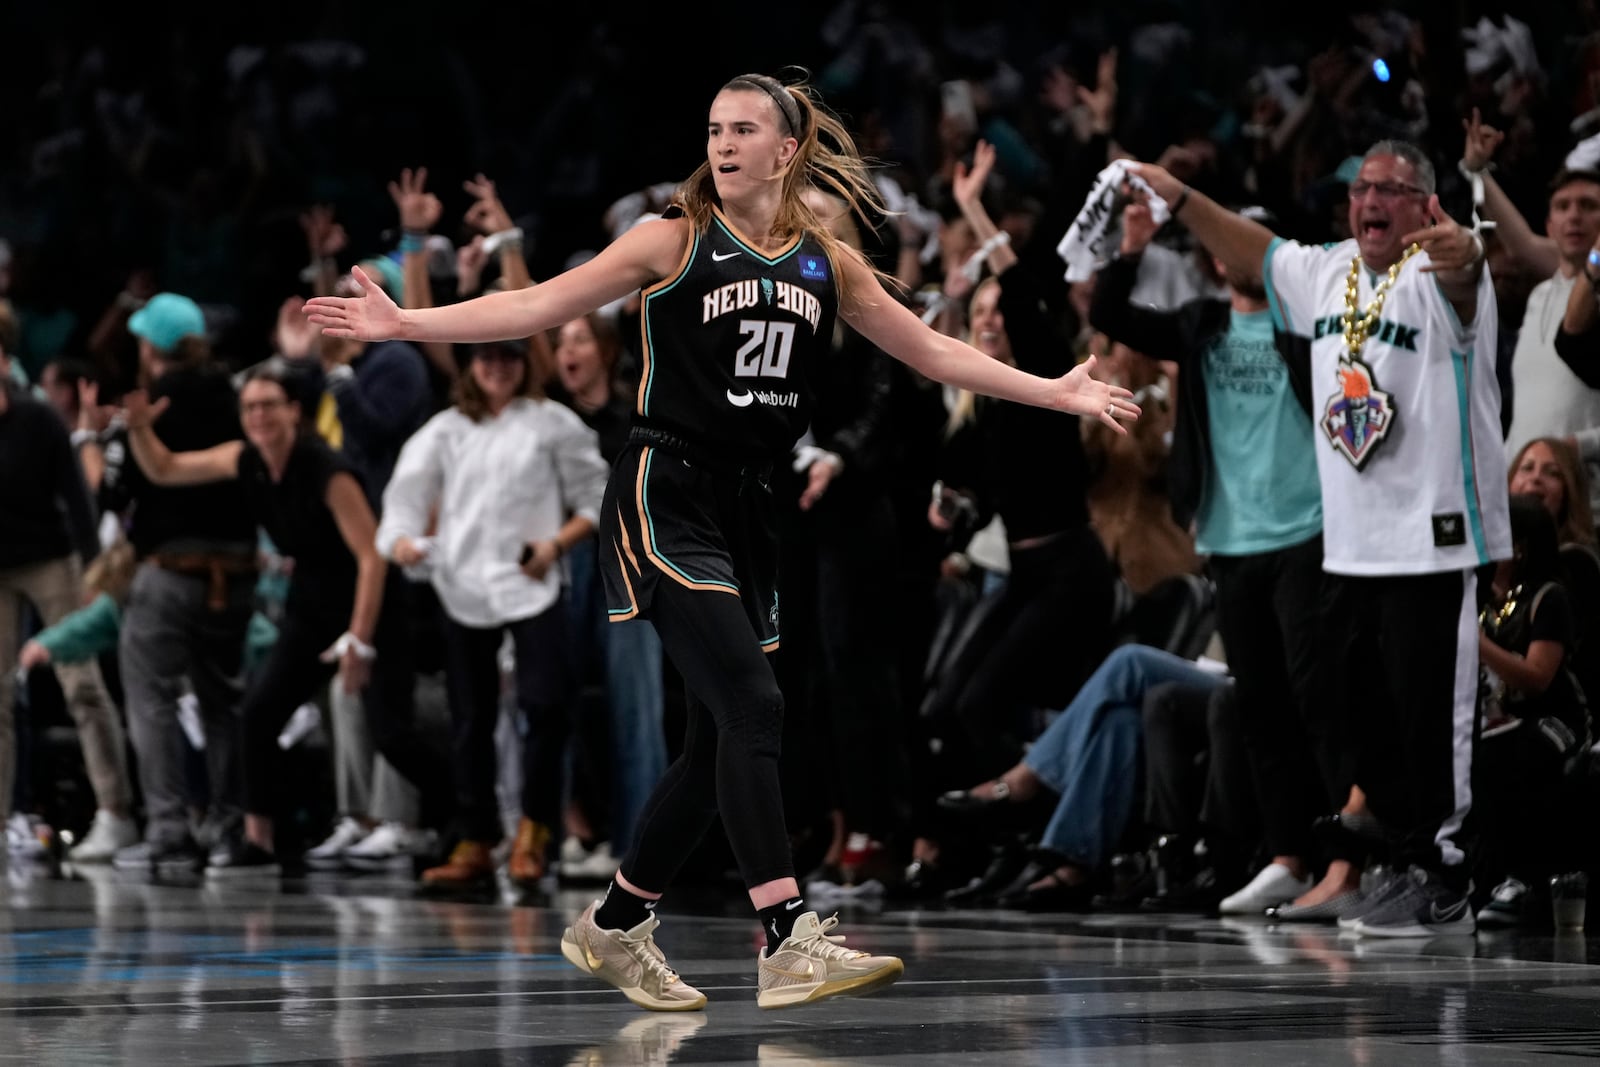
1274	885
391	845
584	866
329	855
107	834
28	837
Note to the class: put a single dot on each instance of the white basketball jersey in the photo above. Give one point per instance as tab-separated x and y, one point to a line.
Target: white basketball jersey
1407	435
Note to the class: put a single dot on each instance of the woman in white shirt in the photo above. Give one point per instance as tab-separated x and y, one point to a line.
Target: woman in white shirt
508	482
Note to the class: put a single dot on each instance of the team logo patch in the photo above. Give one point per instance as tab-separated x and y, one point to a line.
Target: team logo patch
1359	416
814	268
767	289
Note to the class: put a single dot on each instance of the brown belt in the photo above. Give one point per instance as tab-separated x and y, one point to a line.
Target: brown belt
215	566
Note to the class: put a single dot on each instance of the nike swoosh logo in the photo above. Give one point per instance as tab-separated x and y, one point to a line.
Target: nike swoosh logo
718	257
1450	914
595	962
793	905
740	400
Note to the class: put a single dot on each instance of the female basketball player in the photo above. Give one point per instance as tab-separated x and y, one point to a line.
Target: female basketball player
741	285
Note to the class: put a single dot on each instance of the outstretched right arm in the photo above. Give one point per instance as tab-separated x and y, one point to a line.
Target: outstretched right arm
1239	242
644	254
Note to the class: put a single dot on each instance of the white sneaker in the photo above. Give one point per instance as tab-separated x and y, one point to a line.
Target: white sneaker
329	855
106	835
572	853
598	866
28	837
392	844
1274	885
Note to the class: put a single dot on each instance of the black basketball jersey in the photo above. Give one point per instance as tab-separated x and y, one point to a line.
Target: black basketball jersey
732	339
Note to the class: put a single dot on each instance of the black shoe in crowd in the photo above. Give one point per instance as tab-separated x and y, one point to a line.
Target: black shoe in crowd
237	858
1006	861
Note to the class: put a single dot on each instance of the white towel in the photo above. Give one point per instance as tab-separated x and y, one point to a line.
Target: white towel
1097	230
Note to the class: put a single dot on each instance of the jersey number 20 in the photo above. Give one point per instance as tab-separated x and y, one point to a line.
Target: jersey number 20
766	353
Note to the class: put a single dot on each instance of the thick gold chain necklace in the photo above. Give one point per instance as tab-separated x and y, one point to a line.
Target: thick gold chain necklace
1358	326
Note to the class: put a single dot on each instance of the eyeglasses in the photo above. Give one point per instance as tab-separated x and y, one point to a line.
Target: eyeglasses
1385	190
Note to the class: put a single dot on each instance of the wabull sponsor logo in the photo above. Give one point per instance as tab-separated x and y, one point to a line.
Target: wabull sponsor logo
740	398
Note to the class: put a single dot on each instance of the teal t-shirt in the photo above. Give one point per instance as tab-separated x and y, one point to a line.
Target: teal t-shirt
1262	491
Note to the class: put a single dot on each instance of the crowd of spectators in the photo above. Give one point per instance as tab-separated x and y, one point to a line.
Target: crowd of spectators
168	200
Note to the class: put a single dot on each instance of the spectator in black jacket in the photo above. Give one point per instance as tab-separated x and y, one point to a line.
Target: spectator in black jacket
1049	626
46	536
1244	474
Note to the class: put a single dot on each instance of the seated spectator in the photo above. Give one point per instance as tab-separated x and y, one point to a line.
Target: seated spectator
1548	469
1087	759
1201	812
1535	724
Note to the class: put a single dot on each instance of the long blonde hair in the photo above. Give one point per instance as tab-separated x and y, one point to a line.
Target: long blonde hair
964	407
827	158
111	572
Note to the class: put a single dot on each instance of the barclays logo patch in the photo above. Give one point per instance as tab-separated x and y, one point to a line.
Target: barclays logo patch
814	268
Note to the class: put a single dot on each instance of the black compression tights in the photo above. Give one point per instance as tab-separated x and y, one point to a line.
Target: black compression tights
730	750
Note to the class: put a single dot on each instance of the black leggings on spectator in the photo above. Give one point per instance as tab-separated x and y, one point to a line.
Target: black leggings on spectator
545	694
1301	755
294	672
729	761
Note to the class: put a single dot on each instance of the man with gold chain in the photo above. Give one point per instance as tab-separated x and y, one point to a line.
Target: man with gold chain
1400	322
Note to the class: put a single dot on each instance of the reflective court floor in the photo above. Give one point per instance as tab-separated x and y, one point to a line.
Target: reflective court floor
110	971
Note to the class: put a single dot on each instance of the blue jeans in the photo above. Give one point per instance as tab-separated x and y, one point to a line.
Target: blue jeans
633	675
1090	753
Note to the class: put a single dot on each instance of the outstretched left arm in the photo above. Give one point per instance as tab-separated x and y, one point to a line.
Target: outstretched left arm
892	327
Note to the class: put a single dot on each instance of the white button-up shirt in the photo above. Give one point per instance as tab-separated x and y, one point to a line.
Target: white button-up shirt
497	485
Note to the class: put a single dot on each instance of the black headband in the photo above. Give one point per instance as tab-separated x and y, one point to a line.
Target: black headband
783	99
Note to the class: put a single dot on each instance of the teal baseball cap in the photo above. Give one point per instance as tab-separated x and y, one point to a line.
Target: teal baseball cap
166	319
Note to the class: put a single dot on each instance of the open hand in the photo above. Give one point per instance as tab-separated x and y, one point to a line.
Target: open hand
1082	394
966	185
293	336
1450	245
372	316
137	410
